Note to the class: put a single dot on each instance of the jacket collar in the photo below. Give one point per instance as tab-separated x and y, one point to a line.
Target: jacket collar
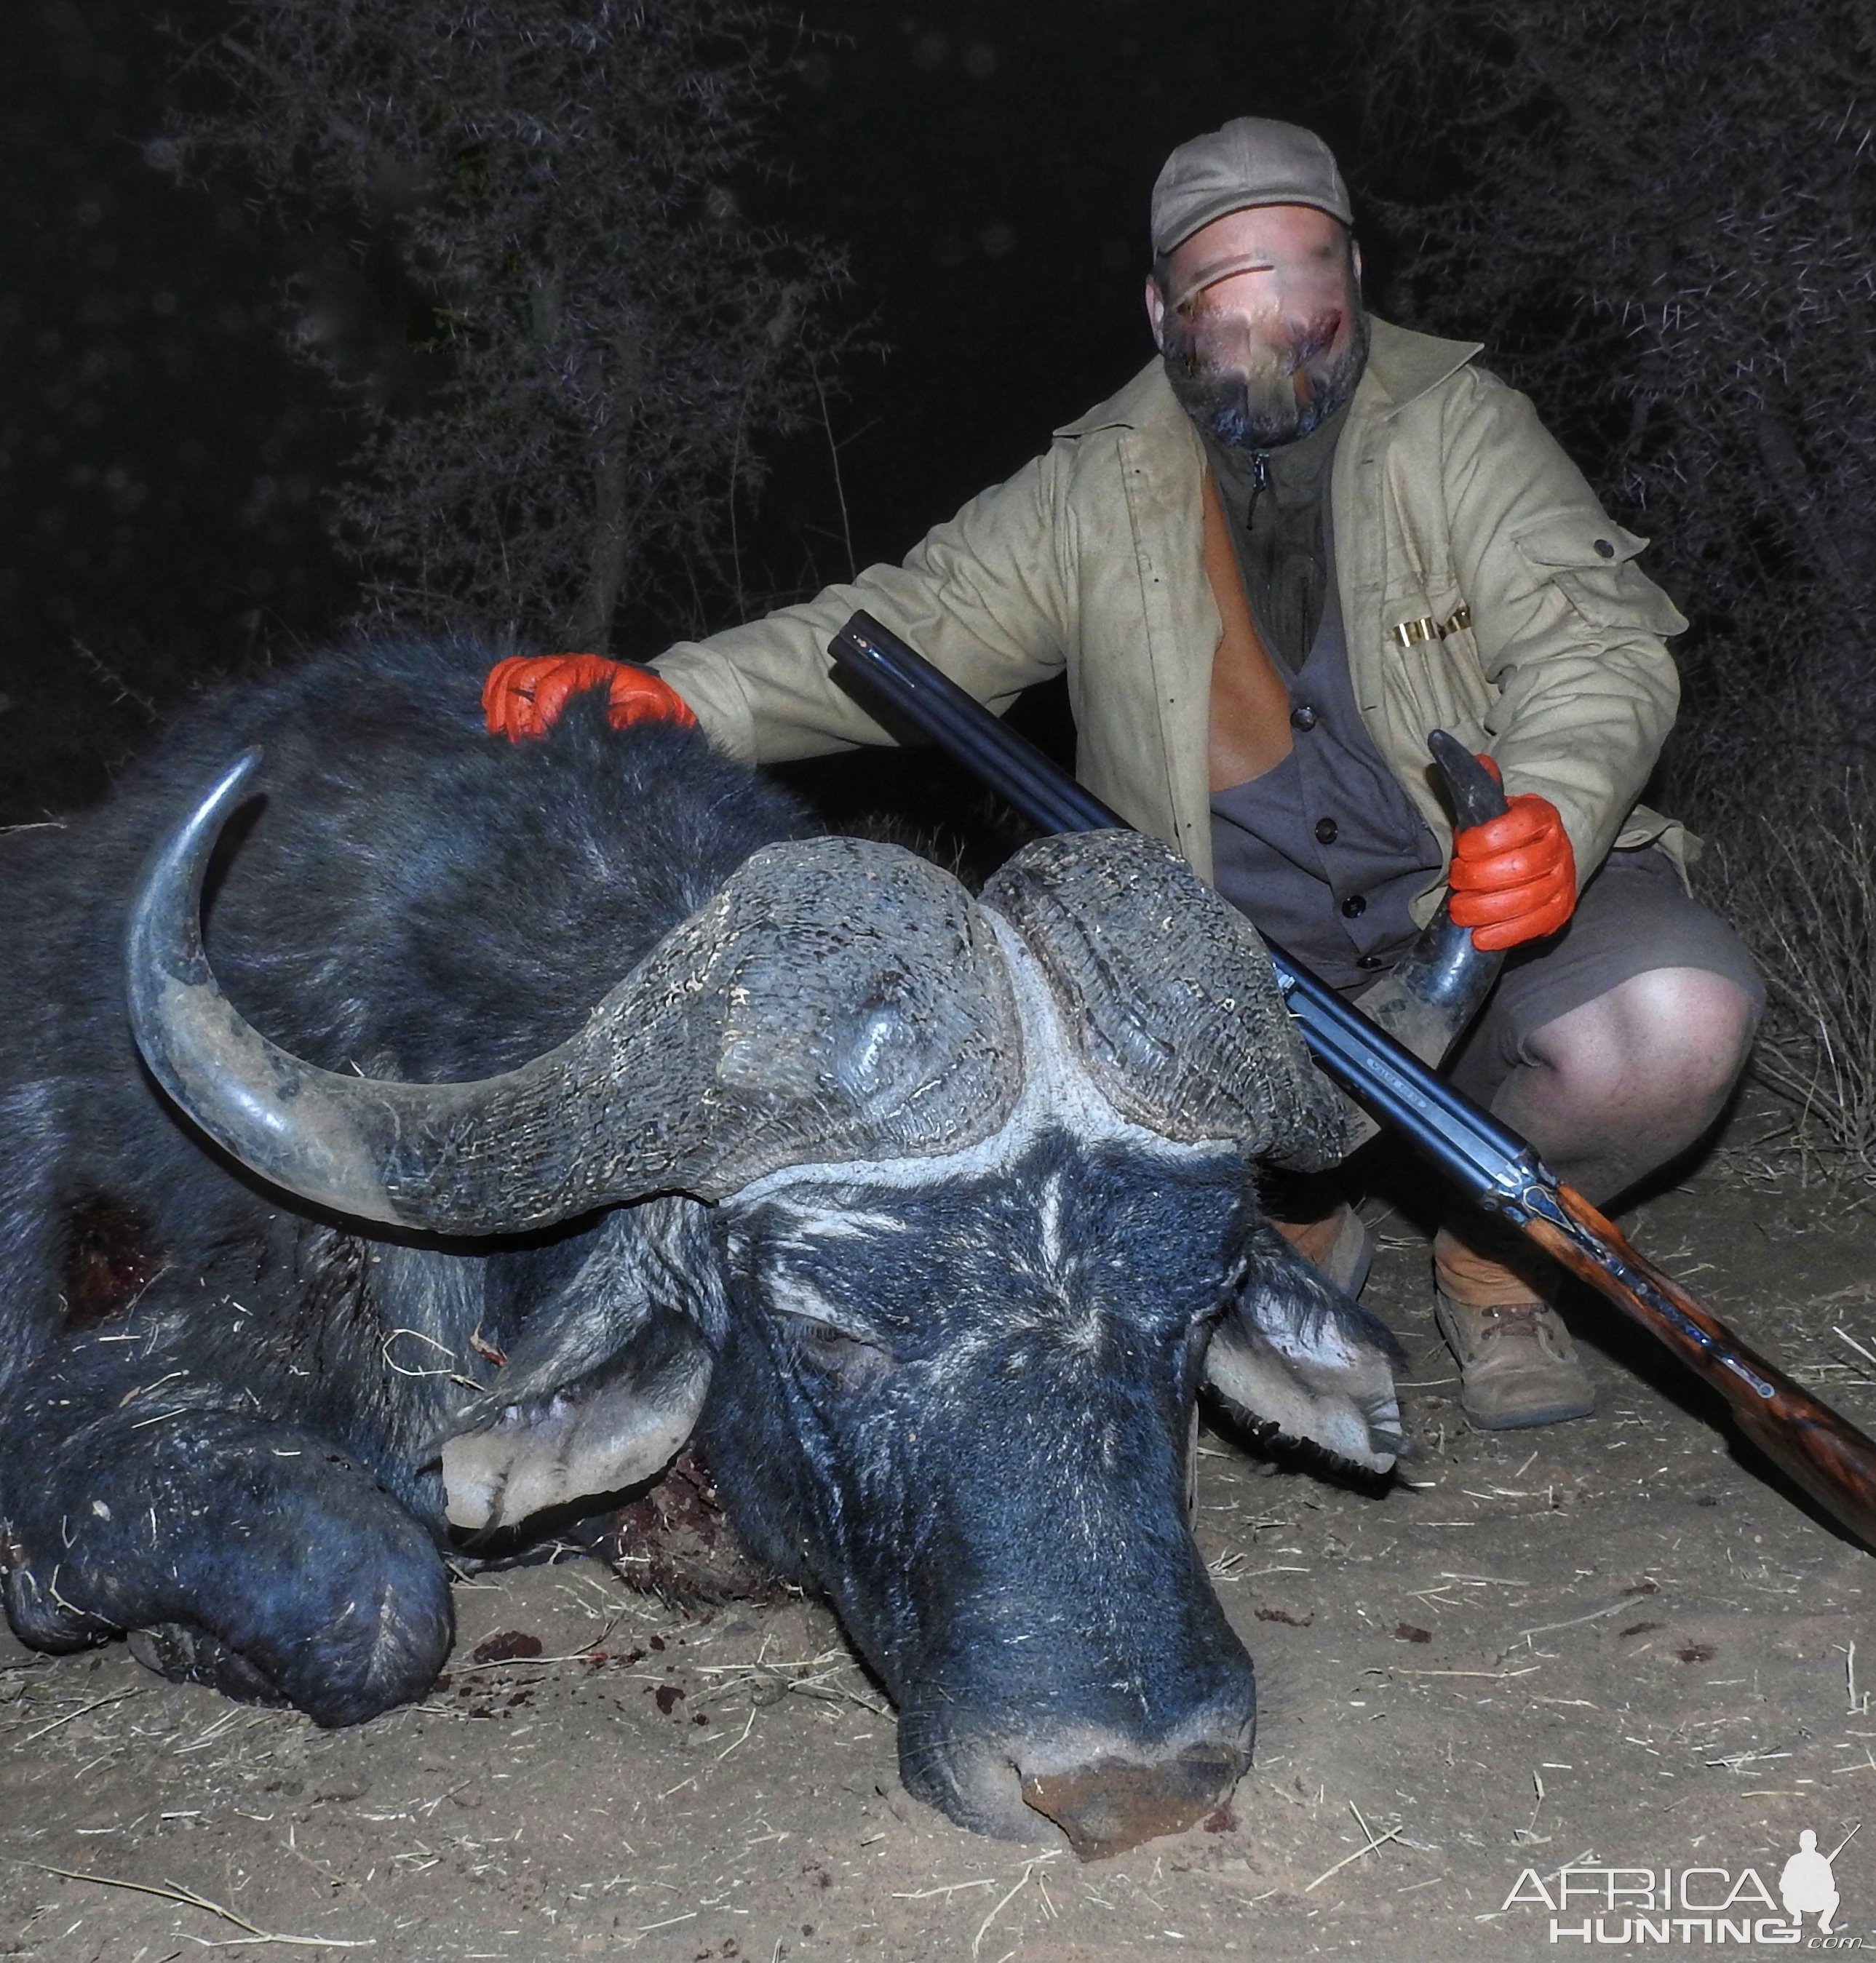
1402	365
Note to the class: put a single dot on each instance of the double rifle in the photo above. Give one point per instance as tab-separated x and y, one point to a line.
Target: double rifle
1427	1001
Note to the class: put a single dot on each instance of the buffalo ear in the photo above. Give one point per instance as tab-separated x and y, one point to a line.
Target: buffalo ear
1299	1360
607	1379
620	1424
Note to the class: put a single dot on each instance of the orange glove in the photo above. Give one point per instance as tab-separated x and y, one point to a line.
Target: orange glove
524	694
1513	880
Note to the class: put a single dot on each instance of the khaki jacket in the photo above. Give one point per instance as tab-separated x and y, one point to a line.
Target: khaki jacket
1447	496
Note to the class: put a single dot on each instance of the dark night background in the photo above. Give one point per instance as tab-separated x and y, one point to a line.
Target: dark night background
1656	218
162	456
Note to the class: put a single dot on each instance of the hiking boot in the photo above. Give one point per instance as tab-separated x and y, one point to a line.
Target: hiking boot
1517	1364
1339	1244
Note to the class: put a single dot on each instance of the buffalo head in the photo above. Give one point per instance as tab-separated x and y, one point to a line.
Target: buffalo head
932	1212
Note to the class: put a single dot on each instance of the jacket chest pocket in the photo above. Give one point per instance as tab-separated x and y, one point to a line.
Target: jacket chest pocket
1433	660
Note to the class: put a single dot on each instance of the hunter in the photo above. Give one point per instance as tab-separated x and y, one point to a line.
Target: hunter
1297	541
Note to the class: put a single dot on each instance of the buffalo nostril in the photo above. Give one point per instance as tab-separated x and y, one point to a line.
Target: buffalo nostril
1111	1805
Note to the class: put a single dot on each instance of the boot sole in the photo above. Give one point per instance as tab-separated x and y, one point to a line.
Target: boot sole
1523	1421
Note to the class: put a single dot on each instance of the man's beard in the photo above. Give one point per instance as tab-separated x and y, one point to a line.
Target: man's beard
1247	405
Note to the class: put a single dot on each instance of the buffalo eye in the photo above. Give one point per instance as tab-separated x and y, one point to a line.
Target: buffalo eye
1204	1326
1221	1301
1236	1273
834	1352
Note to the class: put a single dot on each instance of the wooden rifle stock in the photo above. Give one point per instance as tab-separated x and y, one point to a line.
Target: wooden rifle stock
1817	1449
1820	1450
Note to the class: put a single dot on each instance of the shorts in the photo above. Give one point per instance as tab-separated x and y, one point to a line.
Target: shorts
1632	915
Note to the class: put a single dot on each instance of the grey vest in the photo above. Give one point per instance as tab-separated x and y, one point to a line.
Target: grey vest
1323	852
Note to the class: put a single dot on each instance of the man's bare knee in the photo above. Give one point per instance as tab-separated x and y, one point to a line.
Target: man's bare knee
1669	1038
1689	1025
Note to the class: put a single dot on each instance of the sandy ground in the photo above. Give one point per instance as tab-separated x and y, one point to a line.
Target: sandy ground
1613	1642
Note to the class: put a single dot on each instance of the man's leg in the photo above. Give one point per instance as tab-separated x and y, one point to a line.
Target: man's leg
1607	1092
1312	1212
1622	1084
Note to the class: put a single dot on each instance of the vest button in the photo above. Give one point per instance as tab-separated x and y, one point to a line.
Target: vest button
1604	550
1371	961
1355	906
1327	831
1302	716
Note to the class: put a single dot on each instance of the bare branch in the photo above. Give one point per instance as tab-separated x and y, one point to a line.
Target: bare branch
532	275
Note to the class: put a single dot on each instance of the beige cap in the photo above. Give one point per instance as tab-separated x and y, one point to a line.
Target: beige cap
1251	160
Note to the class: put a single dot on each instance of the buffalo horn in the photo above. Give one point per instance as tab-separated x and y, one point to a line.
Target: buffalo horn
836	1000
1428	999
1169	996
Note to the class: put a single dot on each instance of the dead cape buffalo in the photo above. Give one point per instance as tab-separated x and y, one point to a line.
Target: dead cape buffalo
611	1104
